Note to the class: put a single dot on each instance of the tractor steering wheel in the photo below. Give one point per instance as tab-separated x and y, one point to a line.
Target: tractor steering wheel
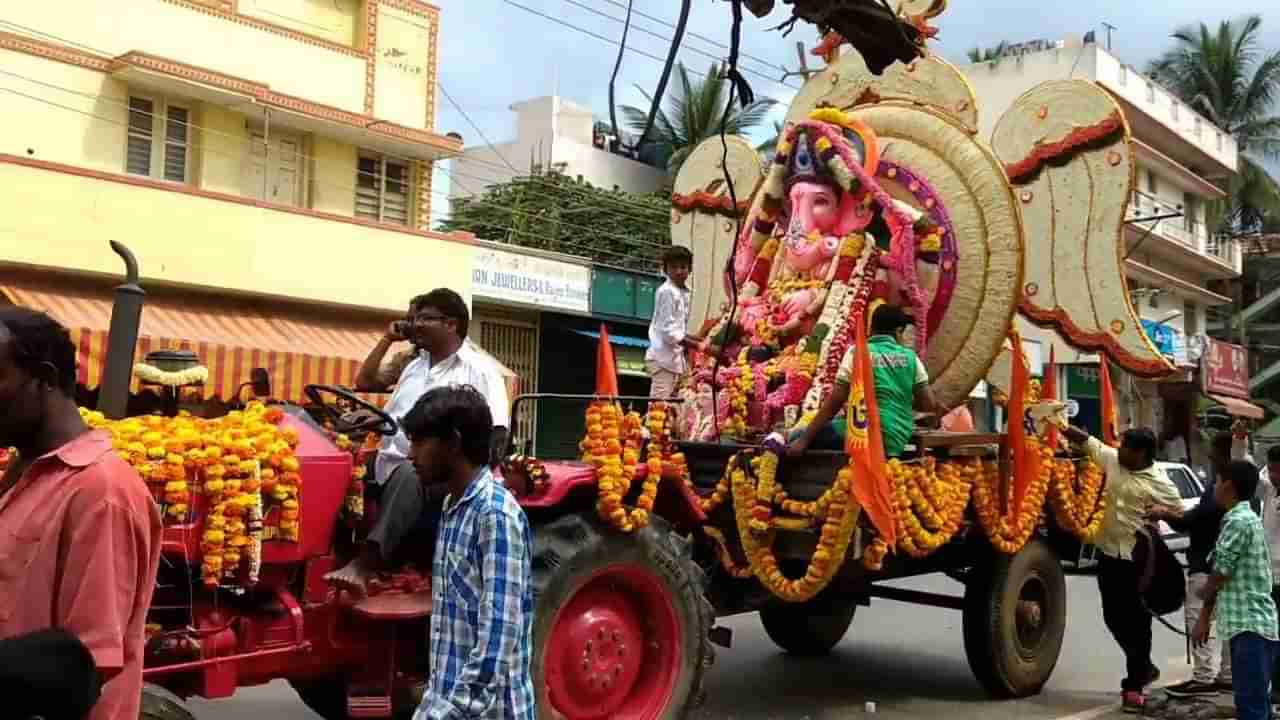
381	423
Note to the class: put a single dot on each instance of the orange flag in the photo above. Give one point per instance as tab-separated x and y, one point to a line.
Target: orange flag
865	445
1110	421
606	368
1016	430
1049	391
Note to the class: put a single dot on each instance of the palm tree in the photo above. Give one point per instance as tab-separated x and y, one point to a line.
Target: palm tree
770	146
694	112
1224	76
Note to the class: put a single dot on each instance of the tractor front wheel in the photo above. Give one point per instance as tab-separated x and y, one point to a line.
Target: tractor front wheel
160	704
1015	615
621	625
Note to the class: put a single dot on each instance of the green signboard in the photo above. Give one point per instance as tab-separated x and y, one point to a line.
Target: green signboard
1082	381
623	294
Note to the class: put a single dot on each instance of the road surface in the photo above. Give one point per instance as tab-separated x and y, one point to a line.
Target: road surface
907	659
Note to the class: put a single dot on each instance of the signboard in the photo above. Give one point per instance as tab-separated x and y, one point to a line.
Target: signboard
1224	369
531	280
1161	335
1082	381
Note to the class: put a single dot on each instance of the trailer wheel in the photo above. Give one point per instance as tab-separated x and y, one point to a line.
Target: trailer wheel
1015	614
808	629
621	623
160	704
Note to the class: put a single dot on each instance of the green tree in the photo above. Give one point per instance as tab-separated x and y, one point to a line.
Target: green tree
769	147
992	55
1228	78
551	211
694	112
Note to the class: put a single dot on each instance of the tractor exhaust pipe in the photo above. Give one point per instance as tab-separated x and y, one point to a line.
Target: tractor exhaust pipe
122	340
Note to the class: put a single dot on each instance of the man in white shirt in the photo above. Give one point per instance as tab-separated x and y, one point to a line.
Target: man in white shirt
667	330
437	326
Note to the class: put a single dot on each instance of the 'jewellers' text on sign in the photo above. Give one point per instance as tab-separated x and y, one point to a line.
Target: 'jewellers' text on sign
531	280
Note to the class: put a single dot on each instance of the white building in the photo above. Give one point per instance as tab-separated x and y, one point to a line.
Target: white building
1180	155
555	134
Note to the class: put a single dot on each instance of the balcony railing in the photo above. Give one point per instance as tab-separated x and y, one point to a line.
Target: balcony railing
1185	231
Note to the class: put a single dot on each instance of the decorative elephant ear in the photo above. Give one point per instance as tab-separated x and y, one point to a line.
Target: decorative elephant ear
1066	149
704	219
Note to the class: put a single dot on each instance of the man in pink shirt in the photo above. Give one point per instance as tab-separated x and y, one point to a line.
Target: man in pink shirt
79	532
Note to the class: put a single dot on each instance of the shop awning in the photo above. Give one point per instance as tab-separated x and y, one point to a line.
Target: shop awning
1239	408
297	345
622	340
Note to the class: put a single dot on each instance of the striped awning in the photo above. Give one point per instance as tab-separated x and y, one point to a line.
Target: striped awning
231	336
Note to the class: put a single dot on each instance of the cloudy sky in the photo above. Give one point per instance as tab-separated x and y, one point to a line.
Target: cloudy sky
495	52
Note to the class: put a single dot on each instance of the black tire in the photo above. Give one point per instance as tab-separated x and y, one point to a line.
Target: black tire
808	629
328	699
160	704
570	551
1011	651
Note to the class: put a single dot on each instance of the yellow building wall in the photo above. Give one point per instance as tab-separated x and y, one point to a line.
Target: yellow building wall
222	143
403	68
333	20
176	32
333	174
64	113
57	219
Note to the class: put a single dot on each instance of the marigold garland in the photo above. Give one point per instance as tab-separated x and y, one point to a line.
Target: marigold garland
1076	497
197	375
234	478
1010	531
613	445
930	500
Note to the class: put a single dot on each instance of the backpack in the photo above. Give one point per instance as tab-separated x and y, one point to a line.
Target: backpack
1161	582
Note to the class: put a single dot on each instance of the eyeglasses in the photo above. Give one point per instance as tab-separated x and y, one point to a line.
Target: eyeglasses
424	319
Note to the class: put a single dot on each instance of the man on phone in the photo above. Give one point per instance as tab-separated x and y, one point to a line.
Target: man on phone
436	325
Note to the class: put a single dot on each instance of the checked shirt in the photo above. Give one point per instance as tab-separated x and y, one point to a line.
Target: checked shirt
1244	603
482	619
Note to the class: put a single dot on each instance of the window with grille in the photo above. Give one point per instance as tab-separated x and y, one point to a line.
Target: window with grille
158	142
384	189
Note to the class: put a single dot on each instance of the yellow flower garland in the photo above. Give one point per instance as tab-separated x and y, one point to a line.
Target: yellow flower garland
930	500
1078	512
1009	532
612	446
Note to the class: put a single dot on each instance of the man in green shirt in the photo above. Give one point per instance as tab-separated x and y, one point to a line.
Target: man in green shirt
902	387
1239	591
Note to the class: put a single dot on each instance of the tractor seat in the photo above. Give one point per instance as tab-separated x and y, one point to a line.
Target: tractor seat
395	606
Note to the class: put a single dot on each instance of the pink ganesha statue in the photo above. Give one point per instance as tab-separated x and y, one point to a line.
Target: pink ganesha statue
845	242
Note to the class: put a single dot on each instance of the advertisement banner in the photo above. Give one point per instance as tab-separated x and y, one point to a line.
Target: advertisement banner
1224	369
531	280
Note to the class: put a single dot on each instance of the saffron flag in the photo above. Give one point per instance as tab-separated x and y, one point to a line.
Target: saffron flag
1110	421
1049	391
606	368
1016	428
864	444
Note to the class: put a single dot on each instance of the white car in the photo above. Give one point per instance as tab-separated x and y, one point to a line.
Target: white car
1190	487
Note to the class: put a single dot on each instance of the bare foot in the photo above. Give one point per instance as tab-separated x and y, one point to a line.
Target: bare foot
353	577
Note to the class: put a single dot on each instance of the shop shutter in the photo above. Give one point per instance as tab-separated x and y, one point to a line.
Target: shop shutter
515	344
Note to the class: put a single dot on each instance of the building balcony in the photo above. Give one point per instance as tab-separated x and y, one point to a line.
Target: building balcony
62	217
1183	241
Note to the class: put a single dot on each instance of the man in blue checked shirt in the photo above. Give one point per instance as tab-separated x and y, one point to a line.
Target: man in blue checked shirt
482	619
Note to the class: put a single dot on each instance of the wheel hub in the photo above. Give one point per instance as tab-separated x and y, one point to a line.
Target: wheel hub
614	649
1029	615
603	648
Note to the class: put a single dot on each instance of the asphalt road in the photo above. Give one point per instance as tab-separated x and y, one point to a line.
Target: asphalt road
907	659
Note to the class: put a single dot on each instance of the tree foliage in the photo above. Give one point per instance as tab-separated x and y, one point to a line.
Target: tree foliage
992	55
1225	75
551	211
693	113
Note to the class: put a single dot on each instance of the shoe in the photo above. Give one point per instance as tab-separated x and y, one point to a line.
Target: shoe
1192	688
1132	702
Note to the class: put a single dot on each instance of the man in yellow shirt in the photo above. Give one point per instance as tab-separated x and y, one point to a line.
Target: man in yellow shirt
1134	488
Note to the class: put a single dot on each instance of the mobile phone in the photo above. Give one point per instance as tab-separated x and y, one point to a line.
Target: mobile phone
400	327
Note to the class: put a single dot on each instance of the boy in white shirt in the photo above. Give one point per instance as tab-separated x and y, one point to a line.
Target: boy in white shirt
668	338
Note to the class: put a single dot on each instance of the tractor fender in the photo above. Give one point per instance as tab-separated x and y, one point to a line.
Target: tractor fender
676	500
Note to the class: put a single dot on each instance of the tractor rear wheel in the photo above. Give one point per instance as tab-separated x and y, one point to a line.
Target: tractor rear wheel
621	623
160	704
808	629
1015	615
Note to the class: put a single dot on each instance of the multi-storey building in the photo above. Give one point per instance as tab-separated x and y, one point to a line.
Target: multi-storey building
1171	259
268	161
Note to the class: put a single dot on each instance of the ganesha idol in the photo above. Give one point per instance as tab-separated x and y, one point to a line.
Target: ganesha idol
826	237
